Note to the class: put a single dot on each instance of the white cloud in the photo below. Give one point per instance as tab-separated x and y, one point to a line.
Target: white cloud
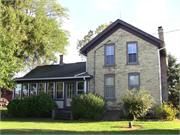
106	4
152	10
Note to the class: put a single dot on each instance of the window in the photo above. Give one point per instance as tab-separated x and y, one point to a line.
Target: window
80	88
109	87
134	81
17	93
109	55
42	87
25	90
50	89
59	90
132	53
33	89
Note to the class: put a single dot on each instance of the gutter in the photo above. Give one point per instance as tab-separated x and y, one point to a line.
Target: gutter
54	78
160	89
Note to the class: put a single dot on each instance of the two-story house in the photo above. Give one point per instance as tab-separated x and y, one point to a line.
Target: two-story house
121	57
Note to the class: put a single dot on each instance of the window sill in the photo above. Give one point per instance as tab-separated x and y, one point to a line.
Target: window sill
110	65
133	63
110	99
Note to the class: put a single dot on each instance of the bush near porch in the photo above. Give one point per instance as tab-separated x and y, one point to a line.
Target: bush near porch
88	106
39	105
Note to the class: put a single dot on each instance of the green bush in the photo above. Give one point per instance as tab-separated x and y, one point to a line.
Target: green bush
14	107
167	111
88	106
39	105
42	105
137	102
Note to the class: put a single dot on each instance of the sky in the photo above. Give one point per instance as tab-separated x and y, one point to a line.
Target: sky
147	15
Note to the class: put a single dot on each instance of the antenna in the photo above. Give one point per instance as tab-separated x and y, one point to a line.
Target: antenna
120	9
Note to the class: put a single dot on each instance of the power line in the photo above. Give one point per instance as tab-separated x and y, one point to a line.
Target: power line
167	31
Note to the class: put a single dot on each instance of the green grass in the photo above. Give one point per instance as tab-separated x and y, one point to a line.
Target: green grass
48	126
3	111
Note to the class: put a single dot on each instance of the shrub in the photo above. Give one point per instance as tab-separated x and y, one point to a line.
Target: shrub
14	107
137	103
167	111
89	106
41	105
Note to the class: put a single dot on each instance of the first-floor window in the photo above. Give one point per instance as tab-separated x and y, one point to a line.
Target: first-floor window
109	86
17	93
33	89
134	81
80	88
25	90
42	87
59	90
50	87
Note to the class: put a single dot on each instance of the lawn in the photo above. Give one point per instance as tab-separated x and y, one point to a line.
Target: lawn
48	126
11	125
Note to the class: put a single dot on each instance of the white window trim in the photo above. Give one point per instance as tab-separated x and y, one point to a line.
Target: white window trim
60	90
27	90
31	87
53	88
77	87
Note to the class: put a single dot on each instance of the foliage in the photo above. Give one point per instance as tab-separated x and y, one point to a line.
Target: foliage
14	107
42	105
91	34
167	111
137	102
39	105
173	75
90	106
31	30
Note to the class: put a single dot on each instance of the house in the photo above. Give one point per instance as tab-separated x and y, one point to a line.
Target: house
121	57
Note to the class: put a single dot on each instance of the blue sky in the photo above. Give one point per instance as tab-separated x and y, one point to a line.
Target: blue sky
146	15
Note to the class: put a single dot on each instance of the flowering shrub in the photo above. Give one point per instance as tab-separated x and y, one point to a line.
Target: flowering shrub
167	111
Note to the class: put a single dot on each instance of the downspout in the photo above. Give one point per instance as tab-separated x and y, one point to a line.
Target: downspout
84	85
95	64
160	89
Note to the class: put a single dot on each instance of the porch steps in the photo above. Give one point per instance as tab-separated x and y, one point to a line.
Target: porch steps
62	114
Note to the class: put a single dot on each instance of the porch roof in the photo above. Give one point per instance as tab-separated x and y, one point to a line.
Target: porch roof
49	72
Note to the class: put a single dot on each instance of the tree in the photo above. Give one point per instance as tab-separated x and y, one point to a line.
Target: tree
91	34
137	102
30	30
173	75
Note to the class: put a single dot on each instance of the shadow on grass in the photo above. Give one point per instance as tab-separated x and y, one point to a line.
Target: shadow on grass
44	120
45	131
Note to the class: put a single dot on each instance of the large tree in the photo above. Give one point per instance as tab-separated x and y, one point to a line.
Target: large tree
173	74
91	34
30	30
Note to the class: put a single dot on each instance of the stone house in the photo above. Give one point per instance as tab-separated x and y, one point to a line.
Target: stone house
121	57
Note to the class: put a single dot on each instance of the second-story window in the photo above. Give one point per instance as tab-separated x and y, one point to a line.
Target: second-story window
132	53
109	55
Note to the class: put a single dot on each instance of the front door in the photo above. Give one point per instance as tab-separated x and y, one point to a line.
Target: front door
69	93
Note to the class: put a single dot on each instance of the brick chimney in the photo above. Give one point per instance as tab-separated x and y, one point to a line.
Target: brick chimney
61	60
163	60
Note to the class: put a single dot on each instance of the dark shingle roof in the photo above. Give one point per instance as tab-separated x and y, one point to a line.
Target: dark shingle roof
54	71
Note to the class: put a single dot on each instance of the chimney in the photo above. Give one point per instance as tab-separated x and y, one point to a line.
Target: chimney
61	60
160	32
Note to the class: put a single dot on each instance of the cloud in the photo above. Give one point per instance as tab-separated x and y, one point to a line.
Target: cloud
148	10
68	24
106	4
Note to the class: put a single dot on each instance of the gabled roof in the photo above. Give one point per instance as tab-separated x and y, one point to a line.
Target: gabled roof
115	26
65	71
